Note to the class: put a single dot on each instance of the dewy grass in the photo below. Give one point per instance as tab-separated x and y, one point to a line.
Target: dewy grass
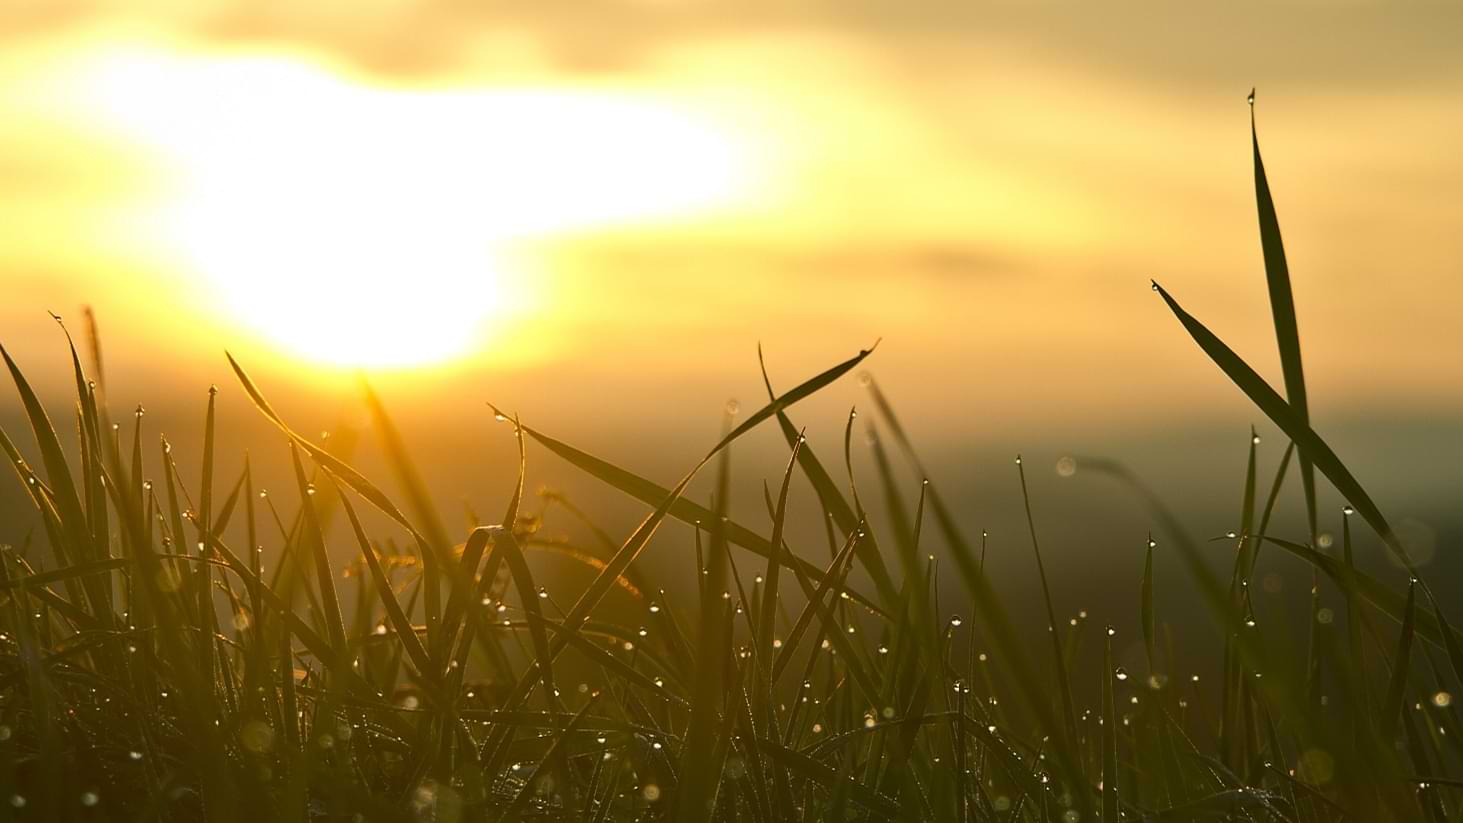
157	664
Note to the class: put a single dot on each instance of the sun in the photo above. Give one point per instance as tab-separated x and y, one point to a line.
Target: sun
358	224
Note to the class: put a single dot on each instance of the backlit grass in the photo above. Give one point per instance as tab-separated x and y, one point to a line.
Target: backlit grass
178	650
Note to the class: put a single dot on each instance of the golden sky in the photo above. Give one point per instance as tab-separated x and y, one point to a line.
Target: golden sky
578	196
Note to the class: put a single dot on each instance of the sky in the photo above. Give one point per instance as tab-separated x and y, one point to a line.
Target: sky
594	214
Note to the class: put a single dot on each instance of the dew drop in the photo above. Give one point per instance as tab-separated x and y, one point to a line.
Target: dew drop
1120	673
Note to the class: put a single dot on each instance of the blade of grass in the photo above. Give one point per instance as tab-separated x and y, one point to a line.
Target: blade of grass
1146	609
766	626
1110	797
1282	310
696	794
1063	685
315	538
1401	663
400	623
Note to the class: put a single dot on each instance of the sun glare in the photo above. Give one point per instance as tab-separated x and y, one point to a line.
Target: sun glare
364	225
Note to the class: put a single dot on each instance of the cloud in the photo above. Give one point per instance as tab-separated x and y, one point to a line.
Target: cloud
1216	45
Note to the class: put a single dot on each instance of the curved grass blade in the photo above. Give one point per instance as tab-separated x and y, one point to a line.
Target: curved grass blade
472	554
1282	310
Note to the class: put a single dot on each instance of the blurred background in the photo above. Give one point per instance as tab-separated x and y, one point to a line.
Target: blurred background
592	215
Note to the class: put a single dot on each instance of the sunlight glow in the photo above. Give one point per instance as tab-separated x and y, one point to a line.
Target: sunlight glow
365	225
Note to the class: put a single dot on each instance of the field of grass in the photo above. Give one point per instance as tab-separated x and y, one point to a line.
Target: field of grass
178	650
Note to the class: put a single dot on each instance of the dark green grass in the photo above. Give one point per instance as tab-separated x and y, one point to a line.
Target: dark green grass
154	666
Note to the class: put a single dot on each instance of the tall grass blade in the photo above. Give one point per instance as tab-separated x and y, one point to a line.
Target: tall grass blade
1110	732
1401	664
1146	609
1063	684
700	783
1282	309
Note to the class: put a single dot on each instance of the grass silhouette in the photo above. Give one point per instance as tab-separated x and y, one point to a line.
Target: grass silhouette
153	667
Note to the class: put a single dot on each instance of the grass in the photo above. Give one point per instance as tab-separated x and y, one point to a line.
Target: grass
153	666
